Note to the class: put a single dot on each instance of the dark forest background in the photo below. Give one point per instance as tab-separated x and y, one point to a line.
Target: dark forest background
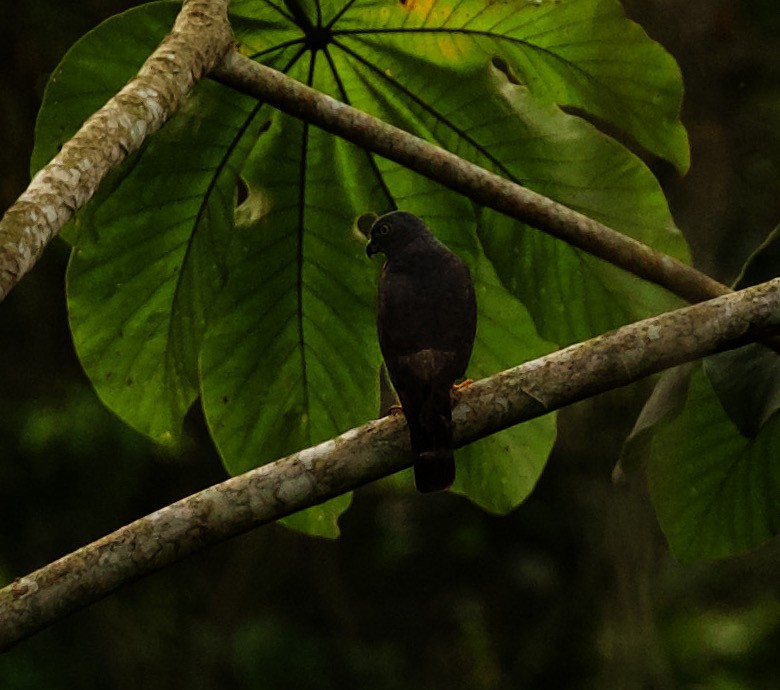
575	589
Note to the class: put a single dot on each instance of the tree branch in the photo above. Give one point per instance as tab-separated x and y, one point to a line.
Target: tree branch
199	39
480	185
377	449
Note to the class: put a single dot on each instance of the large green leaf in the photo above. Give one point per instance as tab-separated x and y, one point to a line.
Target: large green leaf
291	357
715	490
267	311
714	468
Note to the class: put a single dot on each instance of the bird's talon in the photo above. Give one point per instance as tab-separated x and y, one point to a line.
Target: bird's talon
458	388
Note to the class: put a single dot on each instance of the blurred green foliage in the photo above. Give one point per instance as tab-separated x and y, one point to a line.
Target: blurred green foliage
572	590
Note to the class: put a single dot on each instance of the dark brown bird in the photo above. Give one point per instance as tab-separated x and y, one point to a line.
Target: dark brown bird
426	319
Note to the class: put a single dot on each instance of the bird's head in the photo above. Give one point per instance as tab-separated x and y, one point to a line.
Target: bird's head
392	232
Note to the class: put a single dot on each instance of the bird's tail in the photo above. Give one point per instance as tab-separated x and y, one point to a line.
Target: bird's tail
434	470
431	438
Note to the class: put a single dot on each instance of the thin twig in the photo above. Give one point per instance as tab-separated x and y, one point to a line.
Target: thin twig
376	449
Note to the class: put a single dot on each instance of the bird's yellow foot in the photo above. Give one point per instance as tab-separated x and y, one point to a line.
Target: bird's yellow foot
457	388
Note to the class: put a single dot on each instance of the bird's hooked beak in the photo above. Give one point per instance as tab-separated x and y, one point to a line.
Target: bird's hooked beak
371	249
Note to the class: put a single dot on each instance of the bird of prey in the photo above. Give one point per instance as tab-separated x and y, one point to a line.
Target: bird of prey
426	320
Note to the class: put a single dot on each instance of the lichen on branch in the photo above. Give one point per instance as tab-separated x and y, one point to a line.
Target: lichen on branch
199	39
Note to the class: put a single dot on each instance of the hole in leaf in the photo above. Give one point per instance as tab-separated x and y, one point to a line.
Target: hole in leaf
503	66
242	191
364	223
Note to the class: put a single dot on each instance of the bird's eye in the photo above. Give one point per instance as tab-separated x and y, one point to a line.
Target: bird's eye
382	228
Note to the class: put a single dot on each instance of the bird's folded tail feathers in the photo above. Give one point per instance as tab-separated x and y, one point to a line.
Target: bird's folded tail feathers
431	437
434	470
